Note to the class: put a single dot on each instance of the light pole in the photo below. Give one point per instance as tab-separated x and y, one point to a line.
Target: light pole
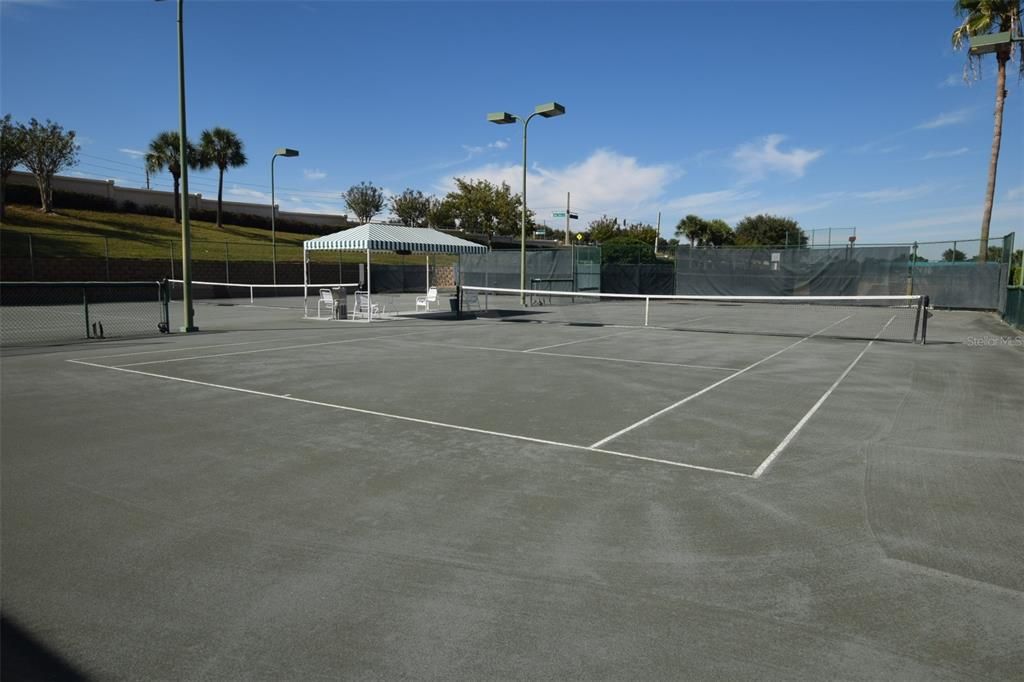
283	151
183	160
549	110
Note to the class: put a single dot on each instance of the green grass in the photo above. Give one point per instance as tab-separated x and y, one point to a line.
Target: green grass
74	233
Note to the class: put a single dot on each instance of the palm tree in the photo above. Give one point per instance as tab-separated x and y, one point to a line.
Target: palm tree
981	17
220	147
164	152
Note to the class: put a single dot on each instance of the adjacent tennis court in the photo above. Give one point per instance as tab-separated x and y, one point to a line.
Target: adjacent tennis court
566	490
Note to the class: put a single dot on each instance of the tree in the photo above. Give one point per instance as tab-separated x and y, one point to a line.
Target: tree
221	147
365	200
481	206
440	213
769	230
411	208
979	18
953	255
702	232
603	229
165	152
48	149
12	150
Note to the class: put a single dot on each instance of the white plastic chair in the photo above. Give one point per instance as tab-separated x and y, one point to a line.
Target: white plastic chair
425	301
363	306
326	299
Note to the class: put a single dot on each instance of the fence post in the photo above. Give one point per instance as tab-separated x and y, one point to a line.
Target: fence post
227	268
31	260
106	256
170	248
913	264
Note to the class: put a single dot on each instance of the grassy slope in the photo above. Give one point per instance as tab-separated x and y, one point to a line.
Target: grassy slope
81	233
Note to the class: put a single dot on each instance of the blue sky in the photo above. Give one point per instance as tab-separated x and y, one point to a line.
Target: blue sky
837	114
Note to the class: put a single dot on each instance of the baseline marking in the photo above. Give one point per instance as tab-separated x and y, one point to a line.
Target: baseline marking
810	413
718	383
415	420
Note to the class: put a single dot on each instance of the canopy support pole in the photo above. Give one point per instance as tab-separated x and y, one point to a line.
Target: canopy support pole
305	281
369	301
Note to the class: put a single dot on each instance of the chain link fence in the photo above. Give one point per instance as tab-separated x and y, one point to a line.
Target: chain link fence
37	313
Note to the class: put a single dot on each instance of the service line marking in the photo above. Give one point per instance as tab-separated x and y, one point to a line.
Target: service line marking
569	343
416	420
718	383
580	357
810	413
269	350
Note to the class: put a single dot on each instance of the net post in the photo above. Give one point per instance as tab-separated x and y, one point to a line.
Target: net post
252	295
85	307
165	299
647	309
458	300
926	303
917	318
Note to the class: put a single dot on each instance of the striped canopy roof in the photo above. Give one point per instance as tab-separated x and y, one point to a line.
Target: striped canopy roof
380	237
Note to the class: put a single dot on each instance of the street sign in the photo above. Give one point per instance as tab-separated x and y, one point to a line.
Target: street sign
558	214
579	236
574	216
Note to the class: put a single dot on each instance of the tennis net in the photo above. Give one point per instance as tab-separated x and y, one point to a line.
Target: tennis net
892	318
40	313
259	295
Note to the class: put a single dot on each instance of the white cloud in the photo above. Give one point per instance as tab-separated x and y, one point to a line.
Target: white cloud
1015	193
945	119
604	182
756	159
894	193
314	174
945	155
134	153
247	193
952	80
717	203
480	149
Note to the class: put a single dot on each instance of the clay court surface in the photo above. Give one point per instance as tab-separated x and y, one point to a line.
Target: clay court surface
285	498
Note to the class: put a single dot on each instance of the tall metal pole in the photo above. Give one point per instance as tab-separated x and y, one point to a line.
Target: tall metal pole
273	212
183	160
567	217
522	225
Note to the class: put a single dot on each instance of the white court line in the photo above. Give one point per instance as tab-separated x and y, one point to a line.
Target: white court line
718	383
581	357
569	343
810	413
268	350
415	420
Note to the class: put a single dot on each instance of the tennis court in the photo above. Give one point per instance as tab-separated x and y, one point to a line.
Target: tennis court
521	495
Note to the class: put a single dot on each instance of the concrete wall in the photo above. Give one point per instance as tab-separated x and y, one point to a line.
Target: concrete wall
152	197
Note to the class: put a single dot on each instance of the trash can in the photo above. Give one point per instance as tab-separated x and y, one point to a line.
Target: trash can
454	303
340	303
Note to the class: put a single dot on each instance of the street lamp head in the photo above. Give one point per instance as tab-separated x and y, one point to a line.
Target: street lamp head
284	151
501	117
549	110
